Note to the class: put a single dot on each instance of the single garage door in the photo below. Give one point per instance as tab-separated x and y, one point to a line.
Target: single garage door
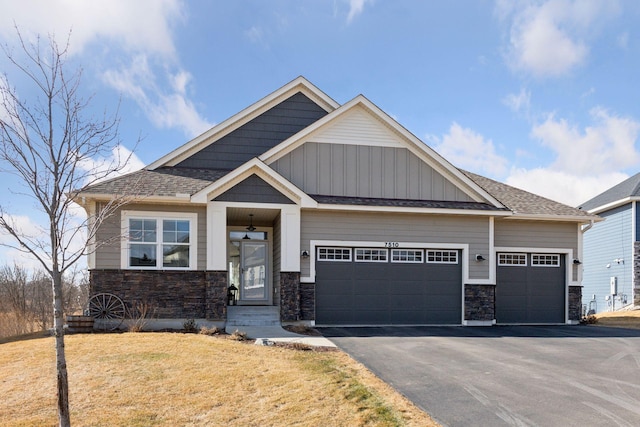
373	286
530	288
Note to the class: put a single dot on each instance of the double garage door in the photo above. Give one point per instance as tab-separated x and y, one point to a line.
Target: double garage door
380	286
530	288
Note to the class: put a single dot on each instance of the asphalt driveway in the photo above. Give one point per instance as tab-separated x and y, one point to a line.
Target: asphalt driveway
507	375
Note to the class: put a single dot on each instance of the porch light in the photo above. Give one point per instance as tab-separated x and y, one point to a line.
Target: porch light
232	293
249	228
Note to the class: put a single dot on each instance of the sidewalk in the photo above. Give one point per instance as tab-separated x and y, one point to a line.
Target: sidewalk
277	334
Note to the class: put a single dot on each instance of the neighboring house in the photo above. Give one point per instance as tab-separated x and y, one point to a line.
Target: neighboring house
612	249
334	215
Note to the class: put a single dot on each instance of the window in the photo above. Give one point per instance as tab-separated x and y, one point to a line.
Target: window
407	255
442	257
334	254
371	255
512	259
545	260
159	240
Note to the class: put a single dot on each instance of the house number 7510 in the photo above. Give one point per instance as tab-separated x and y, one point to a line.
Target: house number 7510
391	244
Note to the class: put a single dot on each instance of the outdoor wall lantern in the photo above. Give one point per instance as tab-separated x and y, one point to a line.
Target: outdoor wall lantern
305	254
232	293
480	258
577	262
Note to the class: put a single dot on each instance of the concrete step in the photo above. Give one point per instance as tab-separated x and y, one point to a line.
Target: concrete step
253	316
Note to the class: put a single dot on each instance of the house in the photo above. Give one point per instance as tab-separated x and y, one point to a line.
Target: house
612	249
332	214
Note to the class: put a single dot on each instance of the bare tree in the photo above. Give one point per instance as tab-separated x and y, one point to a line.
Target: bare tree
46	142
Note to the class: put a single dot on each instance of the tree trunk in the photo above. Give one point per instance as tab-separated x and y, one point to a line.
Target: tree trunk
61	361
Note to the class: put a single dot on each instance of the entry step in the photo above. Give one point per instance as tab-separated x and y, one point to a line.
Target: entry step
268	315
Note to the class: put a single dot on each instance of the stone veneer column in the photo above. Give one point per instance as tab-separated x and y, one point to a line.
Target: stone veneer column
307	301
480	303
636	274
216	282
289	296
575	303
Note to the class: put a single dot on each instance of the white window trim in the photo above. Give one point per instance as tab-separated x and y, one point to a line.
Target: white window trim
426	257
503	264
334	260
379	251
399	261
555	264
159	216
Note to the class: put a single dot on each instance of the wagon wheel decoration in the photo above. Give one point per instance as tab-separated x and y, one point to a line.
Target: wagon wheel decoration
108	310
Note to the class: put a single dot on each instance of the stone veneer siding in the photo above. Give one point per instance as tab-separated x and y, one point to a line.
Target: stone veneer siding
174	294
308	301
575	302
636	274
289	296
479	302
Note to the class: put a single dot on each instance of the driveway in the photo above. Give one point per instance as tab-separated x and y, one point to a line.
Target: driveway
507	375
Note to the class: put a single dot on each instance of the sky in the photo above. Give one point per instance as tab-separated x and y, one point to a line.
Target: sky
541	95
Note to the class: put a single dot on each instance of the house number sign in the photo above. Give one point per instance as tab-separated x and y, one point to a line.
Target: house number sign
391	244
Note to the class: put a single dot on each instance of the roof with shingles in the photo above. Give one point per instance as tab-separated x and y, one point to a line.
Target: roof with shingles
522	202
172	181
403	203
626	189
163	182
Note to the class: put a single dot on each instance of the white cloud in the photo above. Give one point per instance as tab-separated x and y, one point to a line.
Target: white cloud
469	150
132	25
607	145
355	8
563	187
518	102
551	38
101	166
164	108
586	161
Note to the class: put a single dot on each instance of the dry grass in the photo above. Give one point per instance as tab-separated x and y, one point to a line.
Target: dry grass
619	319
191	380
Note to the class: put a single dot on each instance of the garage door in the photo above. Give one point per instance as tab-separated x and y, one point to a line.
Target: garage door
530	288
372	286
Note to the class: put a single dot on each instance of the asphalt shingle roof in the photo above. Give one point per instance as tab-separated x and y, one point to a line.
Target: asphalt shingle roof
169	181
371	201
522	202
166	181
627	188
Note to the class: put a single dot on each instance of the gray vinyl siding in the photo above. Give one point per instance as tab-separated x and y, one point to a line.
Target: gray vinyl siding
538	234
257	136
606	241
387	227
108	255
253	189
364	171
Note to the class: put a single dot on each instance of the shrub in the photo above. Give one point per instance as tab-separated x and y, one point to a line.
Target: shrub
238	336
190	326
210	331
140	314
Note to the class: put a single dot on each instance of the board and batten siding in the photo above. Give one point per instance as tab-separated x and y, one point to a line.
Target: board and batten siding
605	242
353	170
538	234
108	255
388	227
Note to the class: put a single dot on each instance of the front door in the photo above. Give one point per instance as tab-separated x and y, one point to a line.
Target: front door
249	271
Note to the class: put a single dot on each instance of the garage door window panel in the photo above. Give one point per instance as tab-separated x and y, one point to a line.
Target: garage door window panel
334	254
442	257
411	256
371	255
512	259
545	260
